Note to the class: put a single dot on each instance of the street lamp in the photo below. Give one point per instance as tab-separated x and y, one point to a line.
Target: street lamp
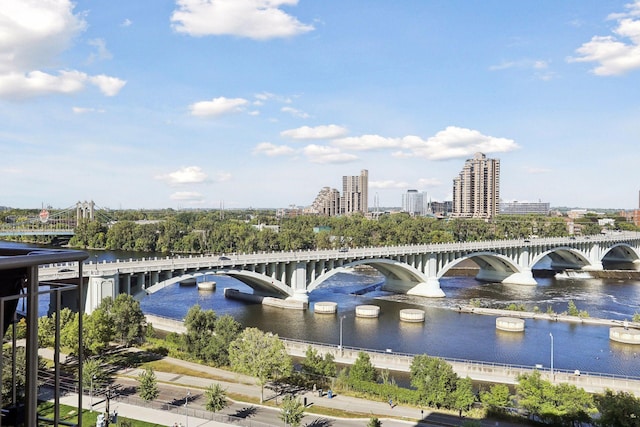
340	346
551	335
186	413
93	377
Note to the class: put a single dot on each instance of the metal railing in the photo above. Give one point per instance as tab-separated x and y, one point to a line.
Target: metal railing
19	279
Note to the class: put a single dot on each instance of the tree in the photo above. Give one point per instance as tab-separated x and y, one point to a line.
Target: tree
148	388
98	331
20	364
226	330
374	422
128	320
362	369
316	366
216	397
532	392
93	374
261	355
497	399
619	409
292	411
200	325
435	380
463	396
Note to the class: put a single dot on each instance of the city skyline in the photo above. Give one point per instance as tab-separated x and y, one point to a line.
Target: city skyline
255	103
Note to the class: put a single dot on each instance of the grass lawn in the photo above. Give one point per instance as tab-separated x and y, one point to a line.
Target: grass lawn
69	414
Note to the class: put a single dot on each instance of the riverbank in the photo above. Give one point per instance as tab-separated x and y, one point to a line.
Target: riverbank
477	371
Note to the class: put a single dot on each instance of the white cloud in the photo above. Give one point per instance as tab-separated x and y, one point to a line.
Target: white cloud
318	132
255	19
381	185
429	182
110	86
187	196
322	154
217	106
455	142
367	142
33	34
223	176
101	52
83	110
272	150
294	112
126	23
613	53
186	175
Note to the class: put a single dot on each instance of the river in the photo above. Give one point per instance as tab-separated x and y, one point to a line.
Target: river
445	332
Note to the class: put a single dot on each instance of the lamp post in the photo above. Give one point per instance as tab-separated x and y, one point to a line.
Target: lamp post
551	335
186	413
340	346
93	377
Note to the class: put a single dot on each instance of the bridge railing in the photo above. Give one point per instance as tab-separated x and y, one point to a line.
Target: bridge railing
236	259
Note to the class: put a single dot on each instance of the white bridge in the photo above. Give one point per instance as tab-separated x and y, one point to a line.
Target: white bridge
414	269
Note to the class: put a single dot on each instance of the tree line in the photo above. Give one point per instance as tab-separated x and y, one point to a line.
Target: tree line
207	232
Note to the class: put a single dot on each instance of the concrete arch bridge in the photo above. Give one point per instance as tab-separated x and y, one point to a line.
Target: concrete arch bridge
412	269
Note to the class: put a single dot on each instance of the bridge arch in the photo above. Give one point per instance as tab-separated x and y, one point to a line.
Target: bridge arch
621	253
564	257
493	268
398	275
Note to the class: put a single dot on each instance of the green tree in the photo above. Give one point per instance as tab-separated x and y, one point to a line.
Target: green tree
316	366
435	380
374	422
532	392
572	310
261	355
98	331
463	396
127	318
148	385
216	397
362	369
292	411
200	325
20	364
497	399
619	409
226	330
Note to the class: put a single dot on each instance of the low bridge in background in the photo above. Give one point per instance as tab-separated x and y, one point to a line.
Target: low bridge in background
412	269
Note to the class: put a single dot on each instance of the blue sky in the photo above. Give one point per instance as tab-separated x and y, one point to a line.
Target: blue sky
261	103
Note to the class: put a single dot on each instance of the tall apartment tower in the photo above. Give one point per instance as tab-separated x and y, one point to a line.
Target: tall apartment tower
355	193
414	203
476	191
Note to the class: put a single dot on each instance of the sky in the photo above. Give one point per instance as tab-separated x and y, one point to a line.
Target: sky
190	104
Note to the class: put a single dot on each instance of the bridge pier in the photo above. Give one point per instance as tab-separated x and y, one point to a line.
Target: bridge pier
524	277
430	289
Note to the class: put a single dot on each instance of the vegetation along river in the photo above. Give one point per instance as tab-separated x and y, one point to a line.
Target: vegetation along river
445	332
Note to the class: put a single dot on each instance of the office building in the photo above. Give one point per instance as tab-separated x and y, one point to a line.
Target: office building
524	208
476	190
414	202
355	193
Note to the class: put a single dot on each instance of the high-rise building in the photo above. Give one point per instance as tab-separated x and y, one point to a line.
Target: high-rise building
355	193
476	191
327	202
414	202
